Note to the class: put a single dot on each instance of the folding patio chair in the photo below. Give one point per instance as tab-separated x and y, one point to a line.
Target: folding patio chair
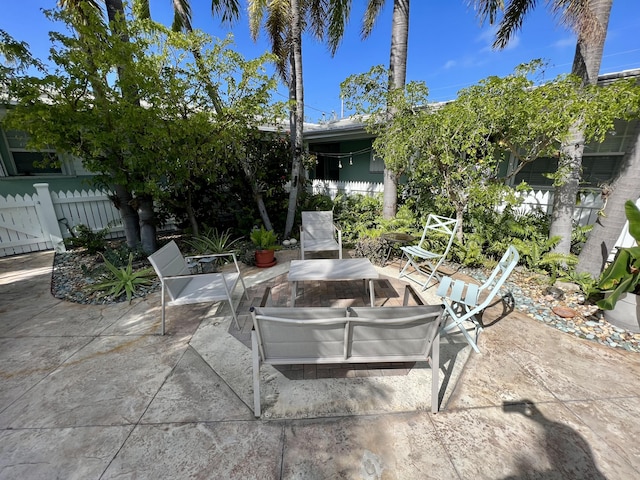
421	257
318	233
460	299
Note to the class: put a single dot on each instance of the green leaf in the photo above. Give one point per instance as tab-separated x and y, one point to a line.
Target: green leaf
633	215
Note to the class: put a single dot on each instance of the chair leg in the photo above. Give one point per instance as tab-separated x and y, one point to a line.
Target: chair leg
233	312
163	302
255	357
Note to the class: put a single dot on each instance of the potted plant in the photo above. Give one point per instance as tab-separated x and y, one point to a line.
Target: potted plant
620	281
266	244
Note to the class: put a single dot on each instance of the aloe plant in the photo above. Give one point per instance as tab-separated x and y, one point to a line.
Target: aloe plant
623	274
123	280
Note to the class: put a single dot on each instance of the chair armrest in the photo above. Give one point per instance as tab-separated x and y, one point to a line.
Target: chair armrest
211	255
194	275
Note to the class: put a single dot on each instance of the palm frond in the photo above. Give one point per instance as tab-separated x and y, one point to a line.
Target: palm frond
371	14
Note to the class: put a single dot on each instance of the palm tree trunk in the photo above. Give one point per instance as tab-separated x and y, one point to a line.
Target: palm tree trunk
297	128
586	64
607	228
397	79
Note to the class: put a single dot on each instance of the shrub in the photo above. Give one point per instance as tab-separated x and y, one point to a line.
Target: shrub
375	249
85	237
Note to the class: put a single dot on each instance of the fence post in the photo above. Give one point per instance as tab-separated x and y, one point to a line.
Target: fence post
47	217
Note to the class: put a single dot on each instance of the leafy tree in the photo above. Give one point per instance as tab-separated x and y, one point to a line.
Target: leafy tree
175	138
453	150
590	20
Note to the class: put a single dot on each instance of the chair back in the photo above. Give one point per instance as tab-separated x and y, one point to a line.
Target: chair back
318	225
440	226
500	274
167	262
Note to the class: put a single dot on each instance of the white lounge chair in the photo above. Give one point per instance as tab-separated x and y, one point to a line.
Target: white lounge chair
185	288
318	233
424	259
461	299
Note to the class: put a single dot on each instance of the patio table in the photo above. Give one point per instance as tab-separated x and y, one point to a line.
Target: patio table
332	270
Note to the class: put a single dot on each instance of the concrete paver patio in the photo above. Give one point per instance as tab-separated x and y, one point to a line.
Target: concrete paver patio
94	392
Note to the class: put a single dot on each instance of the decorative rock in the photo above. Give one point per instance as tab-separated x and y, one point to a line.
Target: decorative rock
555	292
293	241
568	287
286	243
564	312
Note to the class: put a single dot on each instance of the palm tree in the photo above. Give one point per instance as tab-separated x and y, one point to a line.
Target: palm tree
284	21
397	77
589	19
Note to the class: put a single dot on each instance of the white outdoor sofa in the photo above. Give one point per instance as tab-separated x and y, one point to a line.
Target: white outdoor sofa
316	335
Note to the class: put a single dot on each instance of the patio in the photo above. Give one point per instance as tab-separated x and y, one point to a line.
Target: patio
94	392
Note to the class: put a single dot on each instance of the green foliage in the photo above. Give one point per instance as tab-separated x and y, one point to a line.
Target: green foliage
264	239
623	274
211	241
579	235
583	279
124	280
375	249
119	256
358	215
85	237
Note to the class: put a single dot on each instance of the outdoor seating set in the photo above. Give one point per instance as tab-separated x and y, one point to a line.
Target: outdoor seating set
315	335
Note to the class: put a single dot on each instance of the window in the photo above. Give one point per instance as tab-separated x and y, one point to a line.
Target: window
20	161
596	170
376	163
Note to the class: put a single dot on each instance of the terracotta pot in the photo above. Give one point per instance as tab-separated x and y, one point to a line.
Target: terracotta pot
265	258
626	313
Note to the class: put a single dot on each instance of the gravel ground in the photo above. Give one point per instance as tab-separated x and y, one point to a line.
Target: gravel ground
73	273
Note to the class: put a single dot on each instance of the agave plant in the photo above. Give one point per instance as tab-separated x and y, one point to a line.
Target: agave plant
211	241
123	280
623	274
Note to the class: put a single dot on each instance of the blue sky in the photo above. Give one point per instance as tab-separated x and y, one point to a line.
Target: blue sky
448	48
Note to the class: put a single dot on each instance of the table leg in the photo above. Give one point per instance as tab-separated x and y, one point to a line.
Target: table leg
372	293
294	286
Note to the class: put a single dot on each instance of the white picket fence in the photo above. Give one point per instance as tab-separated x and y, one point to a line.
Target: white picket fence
41	221
586	211
30	223
333	187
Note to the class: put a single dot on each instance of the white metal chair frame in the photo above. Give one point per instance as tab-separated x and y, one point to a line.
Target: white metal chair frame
185	288
417	254
460	298
319	233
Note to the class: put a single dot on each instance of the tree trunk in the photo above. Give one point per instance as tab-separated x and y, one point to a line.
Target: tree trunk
586	64
128	214
147	224
608	227
390	195
297	127
191	214
264	215
397	79
564	199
